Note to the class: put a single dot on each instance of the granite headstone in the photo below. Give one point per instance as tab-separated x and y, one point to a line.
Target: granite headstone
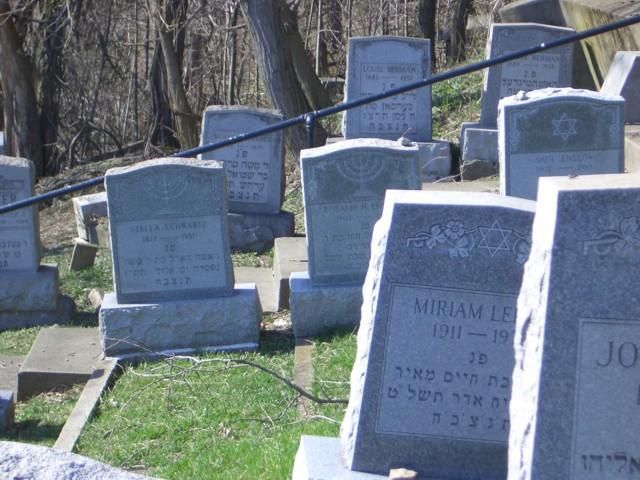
555	132
254	167
623	78
548	69
574	409
432	378
379	64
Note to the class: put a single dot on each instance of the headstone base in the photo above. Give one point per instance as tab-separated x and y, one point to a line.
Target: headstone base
60	315
479	152
255	232
318	309
145	330
289	255
7	409
435	160
318	458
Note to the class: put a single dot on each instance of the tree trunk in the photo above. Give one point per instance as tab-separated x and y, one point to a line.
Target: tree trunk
427	20
458	30
185	121
21	115
279	56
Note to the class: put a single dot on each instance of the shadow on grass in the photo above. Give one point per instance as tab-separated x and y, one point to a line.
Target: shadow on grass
33	431
84	319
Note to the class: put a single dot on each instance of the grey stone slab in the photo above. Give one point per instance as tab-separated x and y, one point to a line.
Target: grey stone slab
216	323
344	187
547	12
21	460
289	255
632	148
322	309
60	314
623	78
379	64
25	291
575	382
254	167
318	458
480	144
476	169
19	230
59	358
256	232
9	367
87	210
482	185
556	132
7	410
431	382
263	278
549	69
435	159
169	230
83	255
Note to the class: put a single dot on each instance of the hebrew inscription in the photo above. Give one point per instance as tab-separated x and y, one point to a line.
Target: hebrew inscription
447	364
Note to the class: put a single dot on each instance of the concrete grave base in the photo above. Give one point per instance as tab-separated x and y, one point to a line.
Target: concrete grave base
19	460
320	309
479	152
435	159
289	255
7	410
9	368
59	358
255	232
217	323
263	278
318	458
60	314
25	291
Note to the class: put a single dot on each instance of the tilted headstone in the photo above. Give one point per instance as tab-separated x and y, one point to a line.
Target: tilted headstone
548	69
432	378
555	132
28	290
254	167
574	409
344	186
173	277
19	231
623	78
379	64
169	231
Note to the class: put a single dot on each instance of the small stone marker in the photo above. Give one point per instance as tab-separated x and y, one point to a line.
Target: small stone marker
254	167
432	378
173	277
379	64
88	209
551	68
555	132
574	409
28	291
83	255
623	78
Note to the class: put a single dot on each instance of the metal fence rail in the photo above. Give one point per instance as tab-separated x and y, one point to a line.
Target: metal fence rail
309	118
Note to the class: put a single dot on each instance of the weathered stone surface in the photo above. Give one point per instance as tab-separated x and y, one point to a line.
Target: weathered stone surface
59	314
263	278
23	461
25	291
575	382
256	232
475	169
632	148
600	49
555	132
551	68
479	153
431	381
83	255
254	167
59	358
376	65
318	458
9	367
19	231
623	78
169	230
230	322
88	209
344	187
289	255
319	309
435	160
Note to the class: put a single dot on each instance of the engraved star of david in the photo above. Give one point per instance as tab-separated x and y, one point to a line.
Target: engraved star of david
495	238
564	127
